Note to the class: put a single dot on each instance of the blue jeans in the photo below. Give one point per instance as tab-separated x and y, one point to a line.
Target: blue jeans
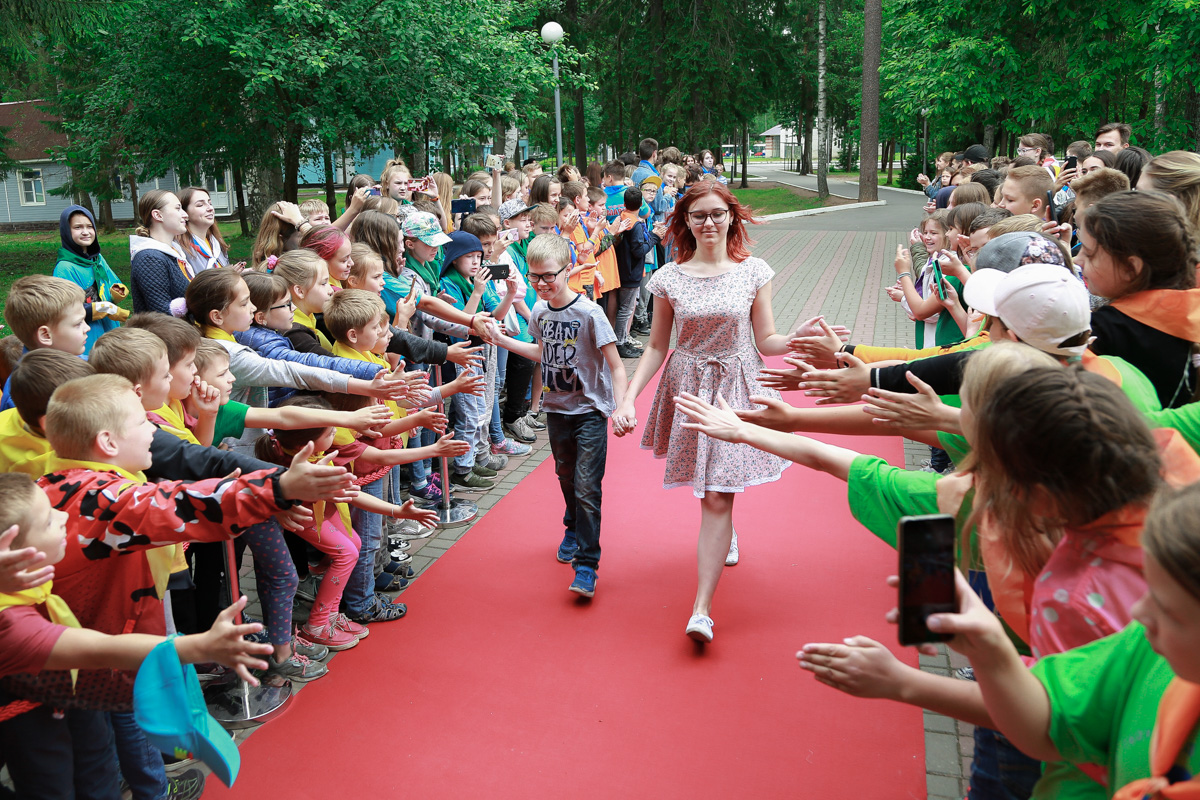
579	443
420	468
141	764
360	588
465	414
999	770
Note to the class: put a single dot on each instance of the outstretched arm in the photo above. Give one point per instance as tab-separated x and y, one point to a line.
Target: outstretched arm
722	423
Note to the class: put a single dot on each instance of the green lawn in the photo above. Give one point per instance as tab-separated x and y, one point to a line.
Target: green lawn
775	201
30	253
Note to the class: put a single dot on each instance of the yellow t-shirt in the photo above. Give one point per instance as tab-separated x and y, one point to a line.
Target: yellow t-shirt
22	450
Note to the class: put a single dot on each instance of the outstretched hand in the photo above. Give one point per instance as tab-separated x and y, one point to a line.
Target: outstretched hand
774	414
226	644
838	385
310	482
719	423
922	410
859	666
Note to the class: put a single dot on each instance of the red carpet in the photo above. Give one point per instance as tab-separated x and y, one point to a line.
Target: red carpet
502	684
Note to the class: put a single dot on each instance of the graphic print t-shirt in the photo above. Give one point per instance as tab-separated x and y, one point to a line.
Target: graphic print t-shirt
575	376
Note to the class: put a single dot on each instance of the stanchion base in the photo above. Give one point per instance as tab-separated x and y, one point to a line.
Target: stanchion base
236	704
459	513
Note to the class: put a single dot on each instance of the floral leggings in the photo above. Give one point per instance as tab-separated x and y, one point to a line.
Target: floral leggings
340	546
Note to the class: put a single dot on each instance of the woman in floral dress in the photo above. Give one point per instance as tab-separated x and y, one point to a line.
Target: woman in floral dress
718	297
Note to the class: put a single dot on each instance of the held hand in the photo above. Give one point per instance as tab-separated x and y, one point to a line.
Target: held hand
599	281
918	411
951	298
624	418
225	643
914	236
903	262
1064	177
817	327
894	293
859	666
21	569
480	325
821	347
930	207
427	518
840	385
1063	231
719	423
464	355
449	447
369	419
288	212
310	482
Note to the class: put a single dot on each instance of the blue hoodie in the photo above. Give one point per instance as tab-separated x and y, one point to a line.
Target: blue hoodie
87	269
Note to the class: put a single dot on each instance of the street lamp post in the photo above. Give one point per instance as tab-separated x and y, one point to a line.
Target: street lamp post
925	140
552	34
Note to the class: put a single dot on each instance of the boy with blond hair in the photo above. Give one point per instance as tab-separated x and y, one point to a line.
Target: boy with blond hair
583	381
181	341
1026	190
45	312
23	445
141	358
315	210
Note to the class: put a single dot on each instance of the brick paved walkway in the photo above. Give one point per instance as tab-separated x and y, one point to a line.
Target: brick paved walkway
841	274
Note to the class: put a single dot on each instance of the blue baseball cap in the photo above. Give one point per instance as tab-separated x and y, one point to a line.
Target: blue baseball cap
168	706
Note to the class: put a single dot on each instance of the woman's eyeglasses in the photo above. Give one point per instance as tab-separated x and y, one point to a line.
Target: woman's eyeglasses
288	305
700	217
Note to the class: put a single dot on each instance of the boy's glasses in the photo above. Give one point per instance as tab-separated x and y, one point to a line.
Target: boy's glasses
546	278
288	305
717	216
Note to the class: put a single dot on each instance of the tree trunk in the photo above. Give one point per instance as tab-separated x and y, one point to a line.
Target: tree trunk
745	156
105	219
806	160
989	138
822	107
868	150
291	162
891	161
240	192
581	155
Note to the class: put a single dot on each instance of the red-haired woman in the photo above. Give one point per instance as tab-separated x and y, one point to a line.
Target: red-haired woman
718	297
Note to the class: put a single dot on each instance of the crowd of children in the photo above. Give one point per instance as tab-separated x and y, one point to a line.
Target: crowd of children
300	405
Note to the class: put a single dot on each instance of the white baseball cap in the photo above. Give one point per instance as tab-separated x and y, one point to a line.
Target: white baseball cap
1043	304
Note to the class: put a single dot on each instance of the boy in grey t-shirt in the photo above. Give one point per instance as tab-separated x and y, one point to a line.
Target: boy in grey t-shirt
583	381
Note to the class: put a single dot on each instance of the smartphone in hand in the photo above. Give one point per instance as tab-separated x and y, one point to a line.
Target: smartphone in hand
938	277
926	575
463	206
497	272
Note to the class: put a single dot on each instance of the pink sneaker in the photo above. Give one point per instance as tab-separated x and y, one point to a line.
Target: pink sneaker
511	448
344	623
329	635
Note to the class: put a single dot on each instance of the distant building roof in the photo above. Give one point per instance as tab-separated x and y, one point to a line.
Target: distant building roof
25	124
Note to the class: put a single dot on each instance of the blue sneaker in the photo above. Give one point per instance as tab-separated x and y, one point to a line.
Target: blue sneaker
568	549
585	581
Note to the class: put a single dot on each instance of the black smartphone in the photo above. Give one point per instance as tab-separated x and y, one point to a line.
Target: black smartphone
463	206
1070	162
498	272
926	575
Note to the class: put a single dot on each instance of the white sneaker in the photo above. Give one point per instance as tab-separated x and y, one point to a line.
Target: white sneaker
699	628
732	557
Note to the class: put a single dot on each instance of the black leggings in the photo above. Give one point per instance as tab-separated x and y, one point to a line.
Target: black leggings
518	380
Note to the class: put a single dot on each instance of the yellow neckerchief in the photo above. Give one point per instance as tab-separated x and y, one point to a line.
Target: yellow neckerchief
21	450
346	351
318	507
211	332
310	321
335	283
60	612
175	421
159	558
